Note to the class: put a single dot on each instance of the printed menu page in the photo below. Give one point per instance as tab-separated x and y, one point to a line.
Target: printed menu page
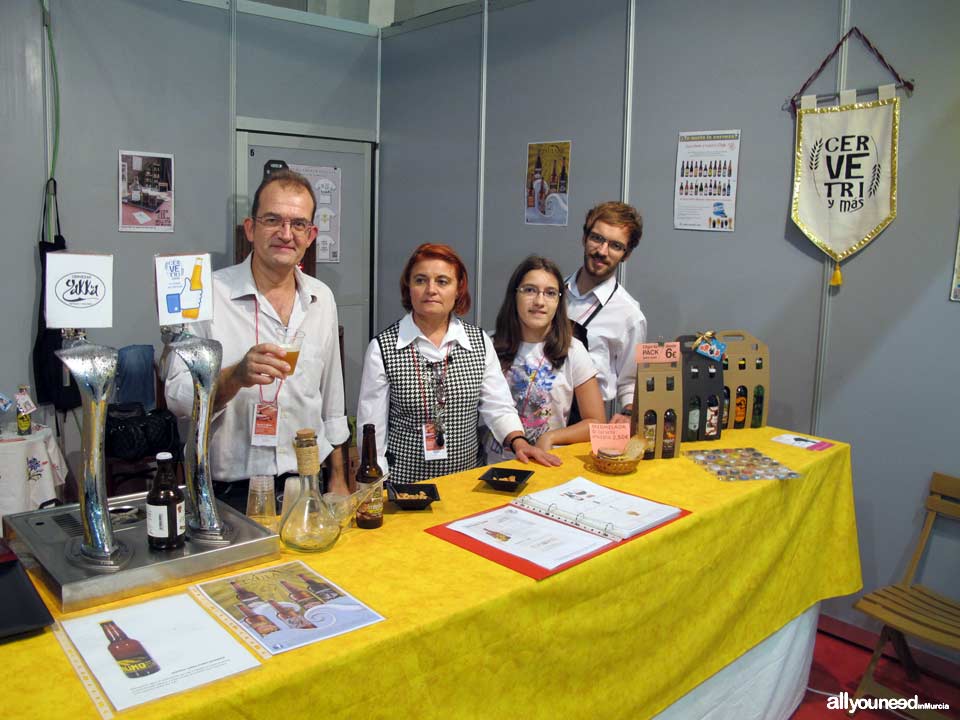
154	649
600	509
532	537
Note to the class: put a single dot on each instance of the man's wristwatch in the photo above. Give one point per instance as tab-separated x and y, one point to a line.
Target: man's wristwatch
627	411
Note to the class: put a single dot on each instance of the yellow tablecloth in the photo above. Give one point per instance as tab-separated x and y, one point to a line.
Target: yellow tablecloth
620	636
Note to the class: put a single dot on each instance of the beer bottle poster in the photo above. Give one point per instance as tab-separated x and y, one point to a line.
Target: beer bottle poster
547	183
286	606
705	182
145	191
184	285
150	650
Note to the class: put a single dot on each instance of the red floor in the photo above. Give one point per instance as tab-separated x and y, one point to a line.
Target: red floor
838	666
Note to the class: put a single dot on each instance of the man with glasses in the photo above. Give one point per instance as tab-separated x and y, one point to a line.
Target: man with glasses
260	304
601	306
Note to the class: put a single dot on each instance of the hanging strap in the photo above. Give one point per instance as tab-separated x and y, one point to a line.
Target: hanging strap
901	82
51	191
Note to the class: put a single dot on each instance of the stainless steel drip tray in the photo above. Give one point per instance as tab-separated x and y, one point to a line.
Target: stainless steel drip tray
48	535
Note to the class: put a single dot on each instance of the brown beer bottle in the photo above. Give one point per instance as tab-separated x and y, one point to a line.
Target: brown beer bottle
244	595
370	512
130	655
166	515
669	434
740	407
649	435
321	589
290	617
301	597
260	623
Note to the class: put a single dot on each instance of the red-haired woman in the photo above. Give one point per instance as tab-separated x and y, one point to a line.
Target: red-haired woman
430	376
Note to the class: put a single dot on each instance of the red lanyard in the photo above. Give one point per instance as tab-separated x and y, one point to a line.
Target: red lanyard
256	330
443	376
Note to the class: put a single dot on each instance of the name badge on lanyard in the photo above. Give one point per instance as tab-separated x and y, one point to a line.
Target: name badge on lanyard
266	421
434	447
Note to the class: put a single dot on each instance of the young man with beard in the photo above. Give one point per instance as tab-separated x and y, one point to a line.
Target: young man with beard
612	318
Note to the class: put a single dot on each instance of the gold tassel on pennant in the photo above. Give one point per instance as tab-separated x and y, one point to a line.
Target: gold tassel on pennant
837	279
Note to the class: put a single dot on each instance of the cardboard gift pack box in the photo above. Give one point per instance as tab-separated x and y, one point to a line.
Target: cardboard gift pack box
746	379
659	391
702	392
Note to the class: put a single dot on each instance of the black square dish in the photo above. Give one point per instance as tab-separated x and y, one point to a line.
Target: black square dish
497	478
414	503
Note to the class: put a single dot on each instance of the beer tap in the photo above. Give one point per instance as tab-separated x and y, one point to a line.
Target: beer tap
94	367
203	358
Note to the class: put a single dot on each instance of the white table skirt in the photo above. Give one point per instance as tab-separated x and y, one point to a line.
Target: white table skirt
765	683
32	469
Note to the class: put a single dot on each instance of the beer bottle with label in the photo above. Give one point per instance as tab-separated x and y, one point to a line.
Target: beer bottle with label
669	433
740	407
166	515
24	424
261	624
322	590
290	617
370	478
130	655
756	419
693	419
711	429
650	435
725	419
301	597
244	595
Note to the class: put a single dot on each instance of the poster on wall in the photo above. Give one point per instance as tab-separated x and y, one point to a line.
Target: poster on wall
326	186
705	185
145	192
955	287
547	183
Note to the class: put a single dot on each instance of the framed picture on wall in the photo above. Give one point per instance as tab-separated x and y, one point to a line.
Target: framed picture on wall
145	192
547	183
955	285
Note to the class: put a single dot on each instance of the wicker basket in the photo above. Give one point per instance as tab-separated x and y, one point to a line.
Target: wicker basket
614	466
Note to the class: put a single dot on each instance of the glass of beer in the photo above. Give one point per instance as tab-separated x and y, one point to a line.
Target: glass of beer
292	345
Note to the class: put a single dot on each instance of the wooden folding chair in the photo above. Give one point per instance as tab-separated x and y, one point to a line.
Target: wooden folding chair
909	609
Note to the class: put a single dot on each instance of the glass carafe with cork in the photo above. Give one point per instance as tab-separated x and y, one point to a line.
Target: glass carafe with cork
309	525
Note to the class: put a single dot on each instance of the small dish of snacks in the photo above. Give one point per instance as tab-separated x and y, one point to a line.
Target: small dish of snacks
506	479
614	462
412	496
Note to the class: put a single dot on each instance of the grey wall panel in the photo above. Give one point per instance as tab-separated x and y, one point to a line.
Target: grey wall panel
428	157
140	75
21	184
899	413
306	74
556	72
765	277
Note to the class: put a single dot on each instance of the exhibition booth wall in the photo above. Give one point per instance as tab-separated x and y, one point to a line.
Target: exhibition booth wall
455	103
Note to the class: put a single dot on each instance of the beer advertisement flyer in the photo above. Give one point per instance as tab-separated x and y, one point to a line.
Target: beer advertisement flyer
705	183
184	286
547	183
145	192
287	606
154	649
79	290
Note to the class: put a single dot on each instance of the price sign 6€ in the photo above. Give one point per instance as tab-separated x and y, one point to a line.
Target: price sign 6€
657	353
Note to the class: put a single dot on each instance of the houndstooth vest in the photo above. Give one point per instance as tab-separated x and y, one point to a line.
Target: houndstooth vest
404	426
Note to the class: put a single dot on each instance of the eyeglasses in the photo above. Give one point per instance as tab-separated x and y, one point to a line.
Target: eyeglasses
530	292
298	226
595	238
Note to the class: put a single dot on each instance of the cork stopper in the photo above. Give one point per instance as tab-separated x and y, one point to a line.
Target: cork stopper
308	456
